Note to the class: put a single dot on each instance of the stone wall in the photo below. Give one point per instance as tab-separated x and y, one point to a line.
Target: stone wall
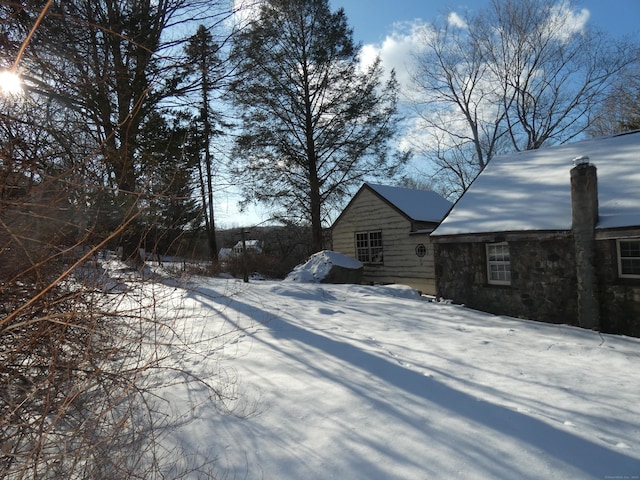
543	279
620	297
543	283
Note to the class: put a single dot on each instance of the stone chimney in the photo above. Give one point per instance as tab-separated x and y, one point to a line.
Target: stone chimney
584	216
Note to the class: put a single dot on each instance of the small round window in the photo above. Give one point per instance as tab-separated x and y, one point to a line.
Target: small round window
421	250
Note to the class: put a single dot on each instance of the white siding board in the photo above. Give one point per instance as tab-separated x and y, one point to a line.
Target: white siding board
367	212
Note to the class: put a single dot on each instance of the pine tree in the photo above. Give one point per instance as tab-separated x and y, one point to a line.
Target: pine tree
171	210
313	124
206	68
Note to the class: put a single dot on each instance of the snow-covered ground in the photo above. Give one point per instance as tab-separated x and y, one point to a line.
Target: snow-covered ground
373	382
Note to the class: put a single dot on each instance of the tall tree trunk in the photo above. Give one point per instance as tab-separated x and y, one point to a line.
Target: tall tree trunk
211	230
316	218
213	247
315	201
202	54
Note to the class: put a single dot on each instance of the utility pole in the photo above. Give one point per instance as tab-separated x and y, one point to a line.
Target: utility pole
245	277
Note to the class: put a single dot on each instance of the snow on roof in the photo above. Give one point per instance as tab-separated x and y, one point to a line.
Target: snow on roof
421	205
249	244
530	191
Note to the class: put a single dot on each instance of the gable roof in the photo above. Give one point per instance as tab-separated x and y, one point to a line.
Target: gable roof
418	205
530	191
415	205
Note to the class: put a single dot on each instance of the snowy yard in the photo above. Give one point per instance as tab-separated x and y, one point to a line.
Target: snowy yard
358	382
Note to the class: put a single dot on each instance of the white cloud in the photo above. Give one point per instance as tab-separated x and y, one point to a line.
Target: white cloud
368	54
397	49
457	21
565	22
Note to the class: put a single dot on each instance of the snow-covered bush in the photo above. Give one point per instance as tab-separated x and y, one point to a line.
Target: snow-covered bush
319	266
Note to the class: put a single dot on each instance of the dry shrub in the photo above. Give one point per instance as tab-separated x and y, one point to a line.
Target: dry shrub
68	364
268	266
78	355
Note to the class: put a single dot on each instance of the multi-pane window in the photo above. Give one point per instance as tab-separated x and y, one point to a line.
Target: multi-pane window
498	264
629	257
369	247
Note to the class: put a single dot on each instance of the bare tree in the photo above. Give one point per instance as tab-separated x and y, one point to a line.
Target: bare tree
516	76
621	109
115	63
457	104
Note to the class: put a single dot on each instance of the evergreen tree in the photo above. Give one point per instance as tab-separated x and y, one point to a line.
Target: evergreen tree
113	63
207	70
313	124
171	209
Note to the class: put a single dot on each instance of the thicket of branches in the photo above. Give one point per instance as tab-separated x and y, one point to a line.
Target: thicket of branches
92	159
79	349
620	110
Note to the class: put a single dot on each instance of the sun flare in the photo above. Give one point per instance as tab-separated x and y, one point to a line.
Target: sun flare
10	82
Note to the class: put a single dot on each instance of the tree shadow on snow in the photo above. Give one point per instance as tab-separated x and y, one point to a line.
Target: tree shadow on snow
567	448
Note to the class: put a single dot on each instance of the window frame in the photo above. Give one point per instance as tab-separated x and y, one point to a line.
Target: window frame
501	262
371	250
620	258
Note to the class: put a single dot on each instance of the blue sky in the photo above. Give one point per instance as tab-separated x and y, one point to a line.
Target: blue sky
373	20
377	24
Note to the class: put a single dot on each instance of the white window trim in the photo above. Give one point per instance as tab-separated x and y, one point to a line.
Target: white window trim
619	257
489	263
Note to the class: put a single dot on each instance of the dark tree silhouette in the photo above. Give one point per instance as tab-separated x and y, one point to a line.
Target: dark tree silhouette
313	125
